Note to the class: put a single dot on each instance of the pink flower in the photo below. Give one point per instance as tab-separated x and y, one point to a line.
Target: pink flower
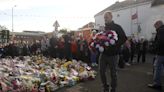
112	42
102	37
114	33
115	37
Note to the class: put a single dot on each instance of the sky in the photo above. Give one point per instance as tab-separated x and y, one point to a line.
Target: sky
39	15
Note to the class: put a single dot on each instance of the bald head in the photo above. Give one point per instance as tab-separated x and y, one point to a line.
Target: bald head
158	24
108	17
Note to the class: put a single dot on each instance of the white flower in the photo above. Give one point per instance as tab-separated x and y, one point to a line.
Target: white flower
97	45
112	42
101	32
94	37
92	44
109	35
106	43
115	37
101	49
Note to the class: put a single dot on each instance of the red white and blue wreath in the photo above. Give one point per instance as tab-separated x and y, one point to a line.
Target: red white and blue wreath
103	40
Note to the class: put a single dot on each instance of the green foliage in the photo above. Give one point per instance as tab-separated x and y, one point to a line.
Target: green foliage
63	31
4	34
3	28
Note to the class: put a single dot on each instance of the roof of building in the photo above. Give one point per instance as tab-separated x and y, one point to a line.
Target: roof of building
89	25
40	32
157	2
126	3
26	34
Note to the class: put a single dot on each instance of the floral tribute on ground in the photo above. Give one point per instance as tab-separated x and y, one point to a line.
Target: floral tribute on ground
41	74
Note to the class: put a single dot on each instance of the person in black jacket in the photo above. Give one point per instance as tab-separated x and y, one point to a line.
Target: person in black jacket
159	62
1	51
133	49
142	48
67	46
110	55
53	46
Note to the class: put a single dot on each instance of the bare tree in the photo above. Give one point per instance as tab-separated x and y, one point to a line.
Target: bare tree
3	28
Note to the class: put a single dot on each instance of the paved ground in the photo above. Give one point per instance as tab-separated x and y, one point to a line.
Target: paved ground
131	79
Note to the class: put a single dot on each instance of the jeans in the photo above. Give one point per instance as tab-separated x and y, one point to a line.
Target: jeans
104	62
93	57
158	69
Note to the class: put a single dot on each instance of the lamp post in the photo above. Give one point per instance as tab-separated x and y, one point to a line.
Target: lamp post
13	18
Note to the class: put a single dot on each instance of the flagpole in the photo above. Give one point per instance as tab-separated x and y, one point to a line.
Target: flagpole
137	20
137	14
131	21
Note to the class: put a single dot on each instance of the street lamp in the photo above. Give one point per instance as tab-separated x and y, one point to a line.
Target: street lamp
13	18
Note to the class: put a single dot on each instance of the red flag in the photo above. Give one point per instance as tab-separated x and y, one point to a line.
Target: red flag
134	16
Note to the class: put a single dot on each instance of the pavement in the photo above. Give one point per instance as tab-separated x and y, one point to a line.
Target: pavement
132	78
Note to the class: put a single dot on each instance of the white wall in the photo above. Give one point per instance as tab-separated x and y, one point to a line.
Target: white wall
123	18
156	13
147	15
99	21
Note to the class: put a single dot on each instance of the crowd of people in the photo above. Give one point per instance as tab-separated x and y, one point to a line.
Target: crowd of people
133	48
65	47
69	47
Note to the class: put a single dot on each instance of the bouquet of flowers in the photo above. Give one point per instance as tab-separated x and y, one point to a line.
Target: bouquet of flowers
103	40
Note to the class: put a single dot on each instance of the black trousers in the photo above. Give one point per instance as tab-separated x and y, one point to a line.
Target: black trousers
132	56
111	62
143	54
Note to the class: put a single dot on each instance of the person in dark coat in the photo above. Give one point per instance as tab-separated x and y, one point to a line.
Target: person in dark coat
110	56
61	48
1	51
142	48
126	53
53	46
25	49
159	62
133	49
67	46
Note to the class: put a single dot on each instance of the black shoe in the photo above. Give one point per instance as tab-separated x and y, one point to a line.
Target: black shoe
112	90
106	88
153	86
